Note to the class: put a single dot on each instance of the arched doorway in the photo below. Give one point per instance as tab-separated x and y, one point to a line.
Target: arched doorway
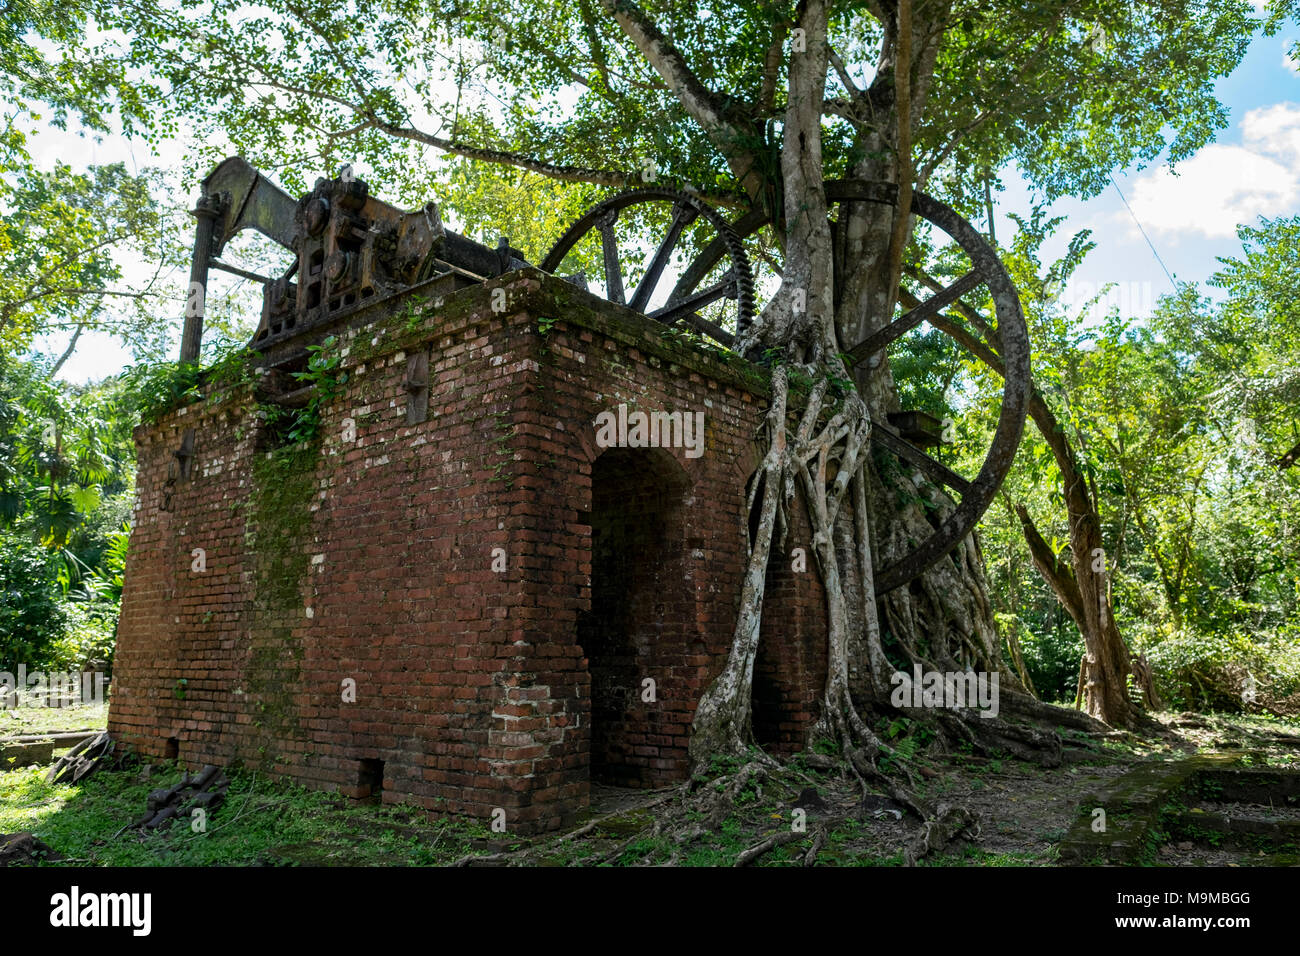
641	617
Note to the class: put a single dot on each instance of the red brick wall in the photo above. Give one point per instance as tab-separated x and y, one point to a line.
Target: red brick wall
373	563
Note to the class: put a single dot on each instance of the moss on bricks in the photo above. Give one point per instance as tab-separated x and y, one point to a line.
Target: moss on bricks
280	519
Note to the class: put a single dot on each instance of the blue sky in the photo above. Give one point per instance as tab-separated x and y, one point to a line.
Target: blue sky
1252	169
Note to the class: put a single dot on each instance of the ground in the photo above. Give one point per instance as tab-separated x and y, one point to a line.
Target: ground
30	720
1024	811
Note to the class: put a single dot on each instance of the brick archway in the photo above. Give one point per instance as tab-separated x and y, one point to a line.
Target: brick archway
639	625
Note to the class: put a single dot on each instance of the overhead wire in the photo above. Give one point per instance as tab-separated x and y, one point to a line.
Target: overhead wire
1172	282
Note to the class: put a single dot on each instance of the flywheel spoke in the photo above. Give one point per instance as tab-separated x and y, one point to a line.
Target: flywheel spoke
875	342
683	215
675	310
936	471
609	246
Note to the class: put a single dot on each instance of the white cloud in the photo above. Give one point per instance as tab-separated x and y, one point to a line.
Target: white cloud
1223	186
1275	131
1289	61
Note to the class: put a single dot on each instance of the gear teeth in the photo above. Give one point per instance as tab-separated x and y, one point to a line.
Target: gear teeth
735	248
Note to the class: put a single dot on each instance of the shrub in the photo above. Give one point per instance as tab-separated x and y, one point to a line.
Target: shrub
1052	659
90	634
32	615
1199	671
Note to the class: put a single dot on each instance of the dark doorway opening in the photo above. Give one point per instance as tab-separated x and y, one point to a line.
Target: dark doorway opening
370	780
636	628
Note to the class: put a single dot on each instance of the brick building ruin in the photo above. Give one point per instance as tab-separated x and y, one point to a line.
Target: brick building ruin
456	597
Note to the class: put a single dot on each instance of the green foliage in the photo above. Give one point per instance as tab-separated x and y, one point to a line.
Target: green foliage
413	312
63	453
89	633
1177	425
1201	670
295	425
158	388
62	236
161	387
906	736
490	201
32	615
1051	654
570	89
66	471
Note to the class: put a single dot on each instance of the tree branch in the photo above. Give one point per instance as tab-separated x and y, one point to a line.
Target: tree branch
903	110
1058	574
577	174
702	104
772	67
67	353
842	72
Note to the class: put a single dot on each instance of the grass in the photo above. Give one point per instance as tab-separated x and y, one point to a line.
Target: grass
32	720
970	855
262	822
722	848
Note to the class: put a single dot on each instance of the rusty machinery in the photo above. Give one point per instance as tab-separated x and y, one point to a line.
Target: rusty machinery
352	250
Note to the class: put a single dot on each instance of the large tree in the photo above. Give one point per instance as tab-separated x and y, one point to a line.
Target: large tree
753	105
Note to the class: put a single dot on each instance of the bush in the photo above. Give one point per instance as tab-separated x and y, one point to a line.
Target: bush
1198	671
1052	660
158	388
32	615
90	634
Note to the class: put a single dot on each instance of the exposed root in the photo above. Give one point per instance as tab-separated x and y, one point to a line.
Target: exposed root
990	736
824	457
722	719
591	825
722	801
1049	714
655	831
482	860
818	842
771	843
867	771
947	824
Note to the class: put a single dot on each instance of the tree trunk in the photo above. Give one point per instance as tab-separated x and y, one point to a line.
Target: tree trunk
838	286
1082	589
943	619
1108	659
1107	662
1018	660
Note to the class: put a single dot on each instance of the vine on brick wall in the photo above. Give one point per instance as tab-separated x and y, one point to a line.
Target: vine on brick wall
322	375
